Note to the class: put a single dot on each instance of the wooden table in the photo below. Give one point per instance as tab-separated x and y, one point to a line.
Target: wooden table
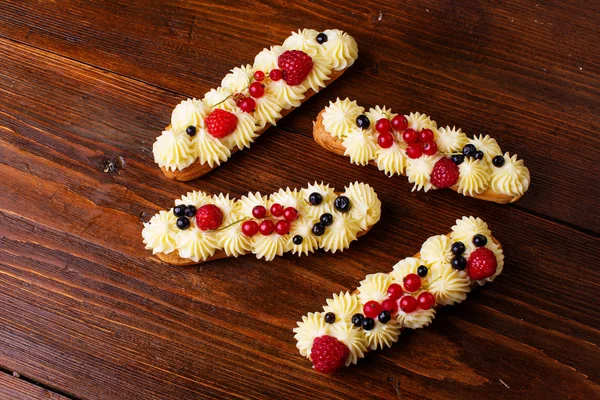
86	312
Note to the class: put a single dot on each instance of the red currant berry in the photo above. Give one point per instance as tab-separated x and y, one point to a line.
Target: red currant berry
290	214
250	228
399	122
383	125
394	291
372	309
259	76
409	136
282	227
426	135
259	212
408	304
385	140
276	210
390	305
412	282
256	90
238	98
425	300
414	150
266	227
247	105
276	75
430	148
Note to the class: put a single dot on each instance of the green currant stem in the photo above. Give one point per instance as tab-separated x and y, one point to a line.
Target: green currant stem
230	225
233	94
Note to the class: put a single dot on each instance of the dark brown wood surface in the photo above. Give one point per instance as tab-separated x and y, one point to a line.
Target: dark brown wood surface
86	312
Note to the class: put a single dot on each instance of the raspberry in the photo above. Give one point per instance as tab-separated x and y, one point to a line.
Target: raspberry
444	174
220	123
482	264
328	354
296	65
209	217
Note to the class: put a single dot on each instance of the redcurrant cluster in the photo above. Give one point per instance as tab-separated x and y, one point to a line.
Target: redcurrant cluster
280	223
256	90
419	143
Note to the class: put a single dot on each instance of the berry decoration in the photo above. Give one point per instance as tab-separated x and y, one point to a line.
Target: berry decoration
357	319
276	210
385	140
190	211
482	264
409	136
342	204
183	223
295	65
384	317
469	150
479	240
297	240
259	76
290	214
425	301
259	212
459	263
390	305
430	148
328	354
383	125
394	291
321	38
426	135
498	161
399	122
266	227
318	229
209	217
422	271
408	304
275	75
372	309
250	228
179	211
326	219
412	282
282	227
368	324
329	318
414	150
478	155
220	123
247	105
444	174
256	90
315	199
457	159
458	248
362	121
191	130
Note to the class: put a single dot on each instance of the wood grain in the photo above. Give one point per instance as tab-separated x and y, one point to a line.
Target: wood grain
85	86
11	387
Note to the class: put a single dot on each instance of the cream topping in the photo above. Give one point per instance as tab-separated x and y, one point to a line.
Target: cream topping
268	247
267	59
195	198
437	250
374	287
312	326
365	206
305	40
286	96
353	338
159	233
328	195
303	227
418	122
360	145
419	171
376	113
488	145
244	132
196	244
238	79
344	306
174	151
219	98
474	176
416	319
467	227
409	265
342	231
340	48
383	335
451	140
233	241
267	110
228	206
210	150
512	178
319	73
340	117
448	285
392	160
190	112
